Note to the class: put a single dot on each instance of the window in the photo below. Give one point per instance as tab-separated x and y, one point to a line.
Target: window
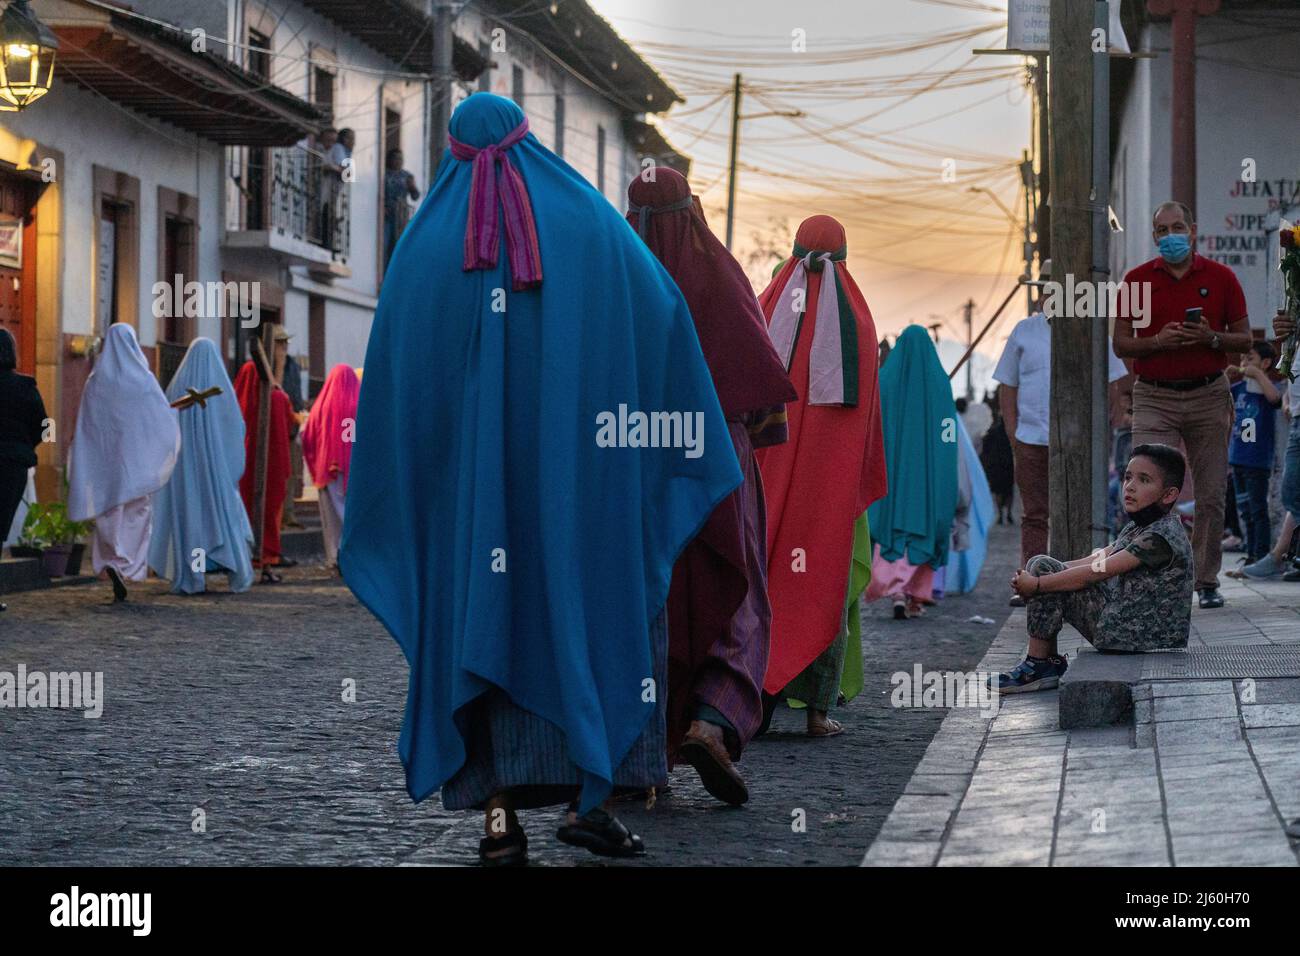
392	130
107	267
116	244
322	90
315	345
176	243
517	86
259	59
600	159
559	126
256	185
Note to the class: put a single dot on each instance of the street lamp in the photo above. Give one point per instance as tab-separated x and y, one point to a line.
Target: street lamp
26	57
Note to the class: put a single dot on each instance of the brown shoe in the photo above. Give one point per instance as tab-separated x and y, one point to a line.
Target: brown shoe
712	762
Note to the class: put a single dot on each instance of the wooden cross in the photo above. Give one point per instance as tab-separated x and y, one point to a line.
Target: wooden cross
262	349
194	397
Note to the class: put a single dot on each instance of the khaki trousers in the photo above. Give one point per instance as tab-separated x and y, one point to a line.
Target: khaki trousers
1200	421
1031	479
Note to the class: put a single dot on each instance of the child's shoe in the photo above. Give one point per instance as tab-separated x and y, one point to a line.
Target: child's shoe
1031	674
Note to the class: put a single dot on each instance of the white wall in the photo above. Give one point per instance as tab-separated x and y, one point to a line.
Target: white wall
91	131
1237	118
586	110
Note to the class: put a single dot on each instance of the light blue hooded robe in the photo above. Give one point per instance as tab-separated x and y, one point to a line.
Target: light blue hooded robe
200	507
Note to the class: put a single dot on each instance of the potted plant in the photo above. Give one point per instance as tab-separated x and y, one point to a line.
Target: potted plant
49	528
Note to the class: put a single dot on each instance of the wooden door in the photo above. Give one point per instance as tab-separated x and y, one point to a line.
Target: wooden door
18	267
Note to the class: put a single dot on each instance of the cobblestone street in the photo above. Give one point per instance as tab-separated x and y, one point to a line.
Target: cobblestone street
232	705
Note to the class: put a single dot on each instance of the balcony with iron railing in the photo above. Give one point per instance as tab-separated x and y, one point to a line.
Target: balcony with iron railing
292	201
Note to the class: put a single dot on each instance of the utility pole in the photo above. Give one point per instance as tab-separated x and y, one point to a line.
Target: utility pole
440	86
735	147
1100	325
1071	158
1182	112
1044	225
1027	181
970	333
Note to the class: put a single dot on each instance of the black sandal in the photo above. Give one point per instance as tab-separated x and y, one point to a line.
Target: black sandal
515	842
270	577
602	833
119	586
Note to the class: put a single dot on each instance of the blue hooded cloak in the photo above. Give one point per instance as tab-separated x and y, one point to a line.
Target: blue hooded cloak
919	421
489	523
964	566
200	507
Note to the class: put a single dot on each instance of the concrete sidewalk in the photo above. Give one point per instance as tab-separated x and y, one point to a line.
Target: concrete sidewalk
1208	775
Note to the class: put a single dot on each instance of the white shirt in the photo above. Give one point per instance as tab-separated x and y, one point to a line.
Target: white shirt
1026	364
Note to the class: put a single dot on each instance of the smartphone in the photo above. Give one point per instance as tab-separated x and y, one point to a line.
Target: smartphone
1192	316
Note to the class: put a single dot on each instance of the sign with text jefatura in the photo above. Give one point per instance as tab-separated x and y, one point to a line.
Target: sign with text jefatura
1029	26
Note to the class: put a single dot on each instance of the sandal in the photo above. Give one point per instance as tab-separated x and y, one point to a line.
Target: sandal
514	843
270	577
602	833
119	586
830	728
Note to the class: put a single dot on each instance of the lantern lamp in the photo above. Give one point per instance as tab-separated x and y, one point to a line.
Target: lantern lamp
27	49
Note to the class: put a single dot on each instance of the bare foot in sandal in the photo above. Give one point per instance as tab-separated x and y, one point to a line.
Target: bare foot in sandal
600	832
821	725
505	843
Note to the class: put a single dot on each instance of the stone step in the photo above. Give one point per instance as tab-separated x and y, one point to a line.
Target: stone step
1100	690
21	574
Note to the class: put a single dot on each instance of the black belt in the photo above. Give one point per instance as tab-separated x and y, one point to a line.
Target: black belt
1181	384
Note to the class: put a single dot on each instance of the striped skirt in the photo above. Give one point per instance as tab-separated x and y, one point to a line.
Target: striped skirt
509	748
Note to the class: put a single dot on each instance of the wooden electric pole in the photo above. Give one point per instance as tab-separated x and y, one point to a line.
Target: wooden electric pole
1071	157
970	335
735	147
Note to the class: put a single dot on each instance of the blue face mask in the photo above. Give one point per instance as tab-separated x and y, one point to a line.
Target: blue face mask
1175	247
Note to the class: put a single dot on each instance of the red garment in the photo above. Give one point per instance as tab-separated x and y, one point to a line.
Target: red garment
1208	285
248	391
328	435
746	370
718	617
820	481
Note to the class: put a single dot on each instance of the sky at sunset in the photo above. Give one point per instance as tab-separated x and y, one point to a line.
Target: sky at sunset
879	131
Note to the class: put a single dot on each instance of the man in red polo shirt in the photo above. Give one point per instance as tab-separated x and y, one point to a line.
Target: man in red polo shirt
1181	395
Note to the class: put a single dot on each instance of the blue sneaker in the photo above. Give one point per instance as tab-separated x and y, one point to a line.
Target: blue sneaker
1033	675
1265	567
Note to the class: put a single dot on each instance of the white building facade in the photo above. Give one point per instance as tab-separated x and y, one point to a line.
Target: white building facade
183	138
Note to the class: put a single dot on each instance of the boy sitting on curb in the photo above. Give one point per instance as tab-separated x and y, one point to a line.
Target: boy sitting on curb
1133	596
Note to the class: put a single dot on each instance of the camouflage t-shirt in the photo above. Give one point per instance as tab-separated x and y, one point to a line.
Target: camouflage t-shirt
1151	549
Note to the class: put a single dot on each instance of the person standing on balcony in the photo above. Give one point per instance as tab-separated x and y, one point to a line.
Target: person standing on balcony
399	185
339	174
125	446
